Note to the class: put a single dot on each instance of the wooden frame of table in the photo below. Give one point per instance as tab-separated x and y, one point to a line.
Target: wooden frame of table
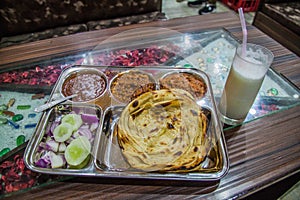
261	152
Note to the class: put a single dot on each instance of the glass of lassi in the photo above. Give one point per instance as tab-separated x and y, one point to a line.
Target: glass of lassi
245	78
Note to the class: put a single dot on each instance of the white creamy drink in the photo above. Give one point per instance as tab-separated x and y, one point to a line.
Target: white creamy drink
243	83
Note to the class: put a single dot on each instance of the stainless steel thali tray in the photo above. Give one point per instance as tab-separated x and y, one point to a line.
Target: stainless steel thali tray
100	110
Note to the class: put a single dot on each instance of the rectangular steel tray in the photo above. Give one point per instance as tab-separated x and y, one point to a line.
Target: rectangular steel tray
107	160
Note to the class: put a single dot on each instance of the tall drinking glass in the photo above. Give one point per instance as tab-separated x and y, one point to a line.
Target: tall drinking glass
243	83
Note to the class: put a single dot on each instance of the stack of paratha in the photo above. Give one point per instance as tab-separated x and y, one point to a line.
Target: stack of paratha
163	130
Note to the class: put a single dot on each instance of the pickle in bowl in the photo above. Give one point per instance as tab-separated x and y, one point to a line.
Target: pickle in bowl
185	80
130	84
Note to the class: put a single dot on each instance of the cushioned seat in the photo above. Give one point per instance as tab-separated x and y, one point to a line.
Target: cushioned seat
280	19
287	13
25	21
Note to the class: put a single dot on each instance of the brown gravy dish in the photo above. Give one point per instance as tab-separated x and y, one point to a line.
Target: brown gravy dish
185	81
127	84
87	86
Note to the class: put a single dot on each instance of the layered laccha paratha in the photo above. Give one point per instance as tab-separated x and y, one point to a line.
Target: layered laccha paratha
163	130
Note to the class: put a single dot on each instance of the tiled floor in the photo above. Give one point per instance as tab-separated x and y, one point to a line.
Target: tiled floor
174	9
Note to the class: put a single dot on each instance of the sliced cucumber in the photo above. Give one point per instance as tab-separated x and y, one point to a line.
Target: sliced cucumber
77	151
73	119
81	165
63	132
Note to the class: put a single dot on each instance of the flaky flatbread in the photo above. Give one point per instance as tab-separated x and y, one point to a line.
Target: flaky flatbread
163	130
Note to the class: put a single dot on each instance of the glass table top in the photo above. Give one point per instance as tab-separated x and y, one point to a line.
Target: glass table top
24	87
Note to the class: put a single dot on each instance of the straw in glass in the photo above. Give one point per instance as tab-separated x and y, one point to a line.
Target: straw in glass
244	29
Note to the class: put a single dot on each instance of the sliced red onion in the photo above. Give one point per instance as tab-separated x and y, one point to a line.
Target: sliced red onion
76	110
89	118
48	130
84	130
41	147
62	147
49	138
94	126
53	126
52	145
57	160
68	141
44	163
44	160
